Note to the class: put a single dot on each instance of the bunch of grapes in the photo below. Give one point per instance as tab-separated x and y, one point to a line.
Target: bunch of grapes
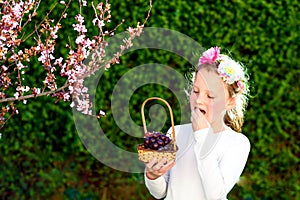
156	141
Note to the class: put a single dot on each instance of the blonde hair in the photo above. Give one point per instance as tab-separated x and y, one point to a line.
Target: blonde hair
234	118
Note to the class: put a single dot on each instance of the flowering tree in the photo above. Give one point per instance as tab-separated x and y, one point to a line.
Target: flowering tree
16	57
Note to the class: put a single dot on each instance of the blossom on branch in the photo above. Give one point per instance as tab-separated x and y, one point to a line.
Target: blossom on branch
15	58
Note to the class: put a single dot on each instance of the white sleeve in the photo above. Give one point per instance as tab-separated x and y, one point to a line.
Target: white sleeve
157	187
220	174
233	162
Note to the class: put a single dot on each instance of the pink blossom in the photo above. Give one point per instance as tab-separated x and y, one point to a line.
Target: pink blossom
80	39
36	91
84	89
17	10
79	18
131	30
80	28
240	85
84	3
20	66
66	97
4	68
101	112
2	38
54	30
100	23
100	6
71	89
16	95
210	55
58	61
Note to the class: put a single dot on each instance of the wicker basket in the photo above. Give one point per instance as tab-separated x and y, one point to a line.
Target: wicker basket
146	155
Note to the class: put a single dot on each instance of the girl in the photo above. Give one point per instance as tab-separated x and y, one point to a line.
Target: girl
212	153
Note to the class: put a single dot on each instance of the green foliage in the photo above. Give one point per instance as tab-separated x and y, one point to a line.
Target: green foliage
43	157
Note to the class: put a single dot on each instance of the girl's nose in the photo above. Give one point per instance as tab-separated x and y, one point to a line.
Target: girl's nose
200	98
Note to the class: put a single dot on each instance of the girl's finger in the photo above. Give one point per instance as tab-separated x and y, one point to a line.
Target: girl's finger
159	165
168	166
150	164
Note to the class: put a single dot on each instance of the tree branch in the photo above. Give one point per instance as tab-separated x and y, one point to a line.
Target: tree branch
34	95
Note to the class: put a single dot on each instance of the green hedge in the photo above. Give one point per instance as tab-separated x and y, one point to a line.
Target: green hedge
43	157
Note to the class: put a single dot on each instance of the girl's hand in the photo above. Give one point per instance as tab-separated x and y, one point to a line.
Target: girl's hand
155	170
198	120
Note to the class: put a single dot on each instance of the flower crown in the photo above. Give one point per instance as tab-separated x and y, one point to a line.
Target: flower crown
229	70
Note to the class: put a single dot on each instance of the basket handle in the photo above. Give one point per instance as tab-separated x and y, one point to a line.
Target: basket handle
171	115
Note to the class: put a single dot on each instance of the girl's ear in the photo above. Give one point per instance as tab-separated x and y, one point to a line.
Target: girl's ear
231	103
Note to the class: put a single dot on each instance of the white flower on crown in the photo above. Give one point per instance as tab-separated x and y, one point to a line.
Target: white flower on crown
229	70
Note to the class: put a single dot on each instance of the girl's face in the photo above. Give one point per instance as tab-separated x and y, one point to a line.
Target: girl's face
210	95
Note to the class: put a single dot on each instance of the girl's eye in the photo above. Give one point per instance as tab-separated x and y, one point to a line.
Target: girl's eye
195	91
210	97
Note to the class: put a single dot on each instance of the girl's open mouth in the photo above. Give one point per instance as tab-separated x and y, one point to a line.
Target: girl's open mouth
203	111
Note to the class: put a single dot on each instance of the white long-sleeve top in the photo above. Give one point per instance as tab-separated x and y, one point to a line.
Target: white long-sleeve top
207	165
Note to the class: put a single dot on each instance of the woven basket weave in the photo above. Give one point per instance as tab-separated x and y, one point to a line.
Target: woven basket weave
146	155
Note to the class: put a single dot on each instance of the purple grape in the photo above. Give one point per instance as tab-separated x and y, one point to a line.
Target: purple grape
146	141
155	146
160	142
167	140
152	140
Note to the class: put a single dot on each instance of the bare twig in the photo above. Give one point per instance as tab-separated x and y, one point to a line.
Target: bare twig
149	12
45	18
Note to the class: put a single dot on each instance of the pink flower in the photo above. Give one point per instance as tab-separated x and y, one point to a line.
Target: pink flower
210	55
66	97
84	3
99	23
80	28
4	68
80	39
79	18
240	85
